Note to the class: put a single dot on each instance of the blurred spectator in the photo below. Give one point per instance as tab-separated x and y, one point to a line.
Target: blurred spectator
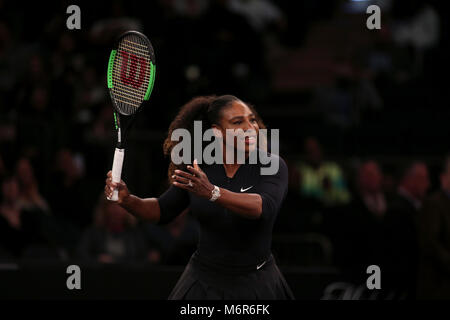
21	226
29	196
176	241
113	238
319	179
356	229
401	243
434	236
370	190
413	187
67	196
67	185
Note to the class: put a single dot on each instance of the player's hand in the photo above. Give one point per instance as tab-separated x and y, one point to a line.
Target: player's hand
195	181
110	186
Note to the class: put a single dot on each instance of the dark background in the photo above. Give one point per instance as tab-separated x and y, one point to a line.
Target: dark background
311	68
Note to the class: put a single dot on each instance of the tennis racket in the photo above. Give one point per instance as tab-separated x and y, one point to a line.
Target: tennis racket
131	75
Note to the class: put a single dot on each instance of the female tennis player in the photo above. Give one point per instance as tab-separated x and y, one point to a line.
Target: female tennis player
235	205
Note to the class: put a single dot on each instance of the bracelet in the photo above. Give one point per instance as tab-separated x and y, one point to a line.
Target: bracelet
215	194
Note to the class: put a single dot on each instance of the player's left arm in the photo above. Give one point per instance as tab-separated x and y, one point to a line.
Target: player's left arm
264	204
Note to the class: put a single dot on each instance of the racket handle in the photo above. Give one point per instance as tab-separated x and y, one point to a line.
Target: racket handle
117	171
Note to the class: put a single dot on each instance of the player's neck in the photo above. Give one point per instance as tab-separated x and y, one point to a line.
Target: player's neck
231	169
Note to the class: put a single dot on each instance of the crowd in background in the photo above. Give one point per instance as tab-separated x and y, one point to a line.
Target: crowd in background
362	123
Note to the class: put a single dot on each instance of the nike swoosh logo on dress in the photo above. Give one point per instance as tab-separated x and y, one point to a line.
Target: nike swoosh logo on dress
261	265
243	190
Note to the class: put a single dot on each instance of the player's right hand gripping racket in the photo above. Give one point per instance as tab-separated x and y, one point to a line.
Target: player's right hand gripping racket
131	75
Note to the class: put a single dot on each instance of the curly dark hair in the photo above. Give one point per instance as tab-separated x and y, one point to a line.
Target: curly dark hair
207	109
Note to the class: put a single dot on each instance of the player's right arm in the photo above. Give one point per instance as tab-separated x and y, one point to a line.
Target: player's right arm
146	209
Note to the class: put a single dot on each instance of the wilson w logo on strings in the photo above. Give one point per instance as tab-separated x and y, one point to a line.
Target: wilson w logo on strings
128	73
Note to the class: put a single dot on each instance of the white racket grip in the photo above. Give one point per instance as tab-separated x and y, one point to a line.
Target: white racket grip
117	171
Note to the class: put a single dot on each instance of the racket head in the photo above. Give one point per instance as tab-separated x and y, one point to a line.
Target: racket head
131	72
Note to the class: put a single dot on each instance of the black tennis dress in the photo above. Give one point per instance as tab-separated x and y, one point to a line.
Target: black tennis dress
233	259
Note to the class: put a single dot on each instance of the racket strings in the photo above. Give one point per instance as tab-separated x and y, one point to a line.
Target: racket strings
129	93
129	45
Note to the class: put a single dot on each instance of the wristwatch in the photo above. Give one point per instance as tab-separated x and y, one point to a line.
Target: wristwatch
215	194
